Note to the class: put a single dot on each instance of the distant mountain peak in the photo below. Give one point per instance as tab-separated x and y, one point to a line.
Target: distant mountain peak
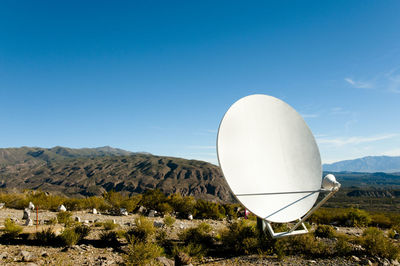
370	164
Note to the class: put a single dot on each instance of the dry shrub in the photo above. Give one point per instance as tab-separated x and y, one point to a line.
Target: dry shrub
376	244
11	230
143	231
142	253
169	220
325	231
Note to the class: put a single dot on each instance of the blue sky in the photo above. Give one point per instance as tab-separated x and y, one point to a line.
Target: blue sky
158	76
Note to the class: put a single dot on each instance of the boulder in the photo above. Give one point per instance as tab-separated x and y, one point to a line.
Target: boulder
123	211
158	224
190	217
27	256
27	214
29	222
2	204
62	208
152	213
77	219
94	211
31	206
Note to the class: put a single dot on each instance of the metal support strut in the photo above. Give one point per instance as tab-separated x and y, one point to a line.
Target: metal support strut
329	184
293	231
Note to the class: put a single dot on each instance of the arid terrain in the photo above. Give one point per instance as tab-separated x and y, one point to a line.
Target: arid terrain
90	252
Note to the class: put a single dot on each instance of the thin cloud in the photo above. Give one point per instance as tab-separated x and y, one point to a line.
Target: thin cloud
354	140
389	81
359	84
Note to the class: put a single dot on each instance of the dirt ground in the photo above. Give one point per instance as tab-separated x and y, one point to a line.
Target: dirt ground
89	253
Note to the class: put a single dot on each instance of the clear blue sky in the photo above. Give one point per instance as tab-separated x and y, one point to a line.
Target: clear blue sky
158	76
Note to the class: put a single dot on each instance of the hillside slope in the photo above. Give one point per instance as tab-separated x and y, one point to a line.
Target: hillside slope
92	171
387	164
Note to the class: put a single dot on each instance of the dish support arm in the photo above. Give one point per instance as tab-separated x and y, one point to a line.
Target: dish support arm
293	231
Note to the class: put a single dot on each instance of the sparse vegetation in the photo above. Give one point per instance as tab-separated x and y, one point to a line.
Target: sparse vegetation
46	237
143	231
109	225
376	244
142	253
11	230
64	218
169	220
69	237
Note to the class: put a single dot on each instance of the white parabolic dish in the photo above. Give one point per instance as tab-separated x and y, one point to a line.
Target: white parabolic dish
269	158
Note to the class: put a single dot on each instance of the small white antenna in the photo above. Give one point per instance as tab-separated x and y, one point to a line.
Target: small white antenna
271	162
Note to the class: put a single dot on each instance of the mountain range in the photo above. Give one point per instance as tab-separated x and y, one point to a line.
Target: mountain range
370	164
92	171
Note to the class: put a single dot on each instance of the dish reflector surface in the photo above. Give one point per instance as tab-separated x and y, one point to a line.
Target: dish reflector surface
269	158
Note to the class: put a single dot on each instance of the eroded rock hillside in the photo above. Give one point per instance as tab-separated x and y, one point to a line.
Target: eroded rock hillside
89	172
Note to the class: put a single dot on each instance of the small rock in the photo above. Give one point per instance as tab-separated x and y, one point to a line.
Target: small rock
77	219
2	205
142	209
190	217
29	222
355	258
395	262
312	261
27	256
86	221
94	211
123	211
152	213
114	222
62	208
31	206
3	255
165	261
44	254
158	224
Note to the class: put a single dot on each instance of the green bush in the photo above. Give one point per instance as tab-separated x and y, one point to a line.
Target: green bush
69	237
109	225
358	218
143	231
183	205
82	230
208	210
169	221
376	244
192	249
326	231
197	240
109	238
11	230
151	199
65	218
46	237
306	245
342	246
142	253
242	237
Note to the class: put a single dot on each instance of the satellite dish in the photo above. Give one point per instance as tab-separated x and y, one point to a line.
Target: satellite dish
270	159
